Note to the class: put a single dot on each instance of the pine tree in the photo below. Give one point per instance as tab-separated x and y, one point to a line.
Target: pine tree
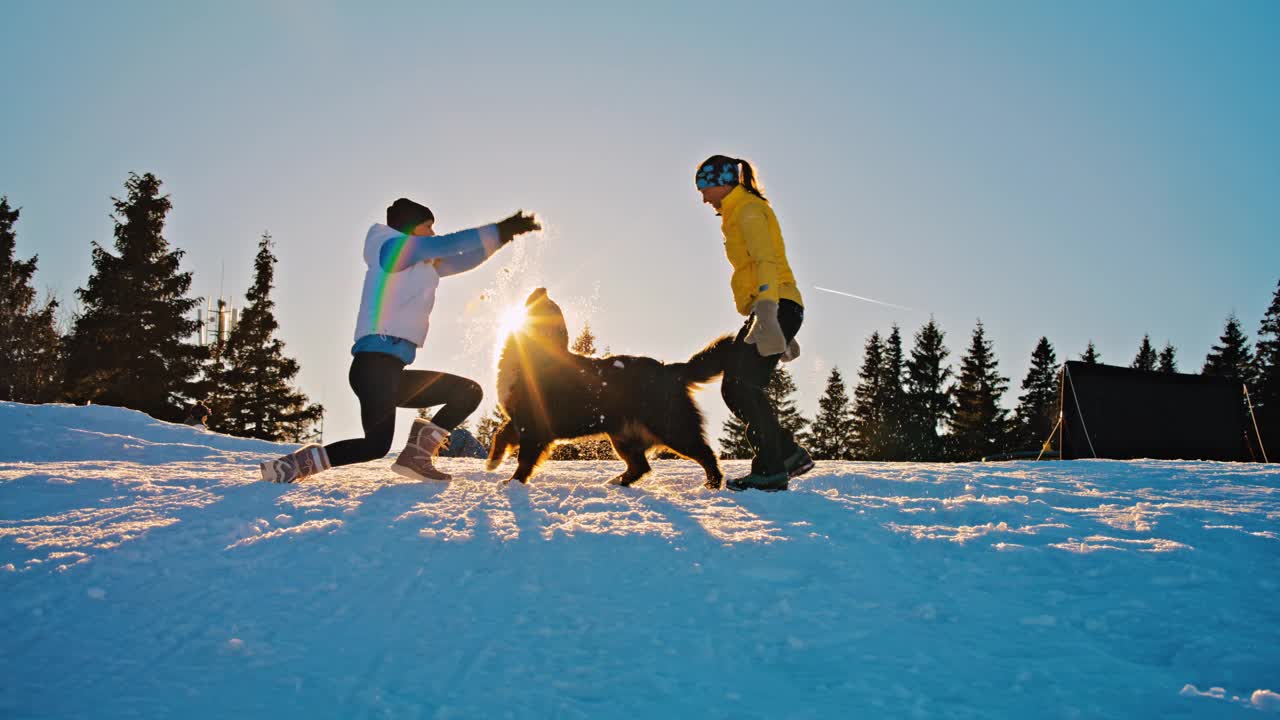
979	426
30	345
131	346
1168	362
488	426
830	436
868	419
1266	389
1091	355
779	390
1146	358
928	398
585	344
892	399
1232	358
1037	412
254	394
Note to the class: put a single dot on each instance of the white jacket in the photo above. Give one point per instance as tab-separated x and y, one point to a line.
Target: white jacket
397	304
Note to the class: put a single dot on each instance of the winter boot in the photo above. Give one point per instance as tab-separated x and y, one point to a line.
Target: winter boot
759	481
425	438
799	463
303	462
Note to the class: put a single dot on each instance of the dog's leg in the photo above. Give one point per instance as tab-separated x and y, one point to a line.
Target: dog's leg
683	434
700	452
503	440
530	454
632	451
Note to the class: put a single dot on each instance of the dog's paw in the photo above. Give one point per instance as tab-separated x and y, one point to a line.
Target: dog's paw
625	480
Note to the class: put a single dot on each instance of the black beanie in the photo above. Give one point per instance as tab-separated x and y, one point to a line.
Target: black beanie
405	215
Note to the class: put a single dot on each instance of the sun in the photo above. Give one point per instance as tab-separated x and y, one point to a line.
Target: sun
510	320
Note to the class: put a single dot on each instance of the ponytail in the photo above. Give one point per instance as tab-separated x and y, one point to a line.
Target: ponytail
722	170
749	182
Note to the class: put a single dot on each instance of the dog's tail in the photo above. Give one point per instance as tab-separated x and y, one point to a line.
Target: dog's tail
705	364
503	440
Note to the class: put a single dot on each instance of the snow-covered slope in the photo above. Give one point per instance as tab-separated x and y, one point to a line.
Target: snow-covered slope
143	573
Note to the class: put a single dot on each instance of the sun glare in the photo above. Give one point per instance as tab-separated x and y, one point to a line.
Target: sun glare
510	321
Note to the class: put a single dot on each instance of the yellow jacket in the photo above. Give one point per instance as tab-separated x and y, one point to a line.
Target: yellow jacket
753	243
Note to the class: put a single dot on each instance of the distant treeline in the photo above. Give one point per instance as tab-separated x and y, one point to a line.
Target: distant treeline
131	342
918	407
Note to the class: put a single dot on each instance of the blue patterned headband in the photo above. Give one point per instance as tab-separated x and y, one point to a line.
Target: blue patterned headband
717	174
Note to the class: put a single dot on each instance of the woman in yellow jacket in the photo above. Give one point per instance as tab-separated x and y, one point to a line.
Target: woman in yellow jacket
765	291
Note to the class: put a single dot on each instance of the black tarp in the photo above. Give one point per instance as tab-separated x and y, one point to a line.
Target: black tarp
1139	414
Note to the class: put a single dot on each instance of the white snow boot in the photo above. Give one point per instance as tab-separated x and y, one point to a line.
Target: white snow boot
303	462
425	439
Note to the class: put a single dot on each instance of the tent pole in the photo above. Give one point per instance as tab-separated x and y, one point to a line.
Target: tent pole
1049	440
1253	417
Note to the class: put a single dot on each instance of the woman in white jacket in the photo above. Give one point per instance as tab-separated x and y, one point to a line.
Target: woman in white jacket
405	260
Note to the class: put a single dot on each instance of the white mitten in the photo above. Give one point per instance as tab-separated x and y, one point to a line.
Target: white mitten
766	333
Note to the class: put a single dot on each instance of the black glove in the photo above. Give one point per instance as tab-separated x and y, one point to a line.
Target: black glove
517	224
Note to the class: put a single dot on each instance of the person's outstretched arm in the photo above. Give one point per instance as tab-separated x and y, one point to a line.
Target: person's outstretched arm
405	251
456	252
454	264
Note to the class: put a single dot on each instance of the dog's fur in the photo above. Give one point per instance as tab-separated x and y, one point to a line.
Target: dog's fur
549	394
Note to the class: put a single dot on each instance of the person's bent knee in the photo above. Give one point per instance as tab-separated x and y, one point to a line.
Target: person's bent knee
470	395
473	393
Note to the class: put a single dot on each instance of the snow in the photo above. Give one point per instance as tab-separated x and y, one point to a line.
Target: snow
145	573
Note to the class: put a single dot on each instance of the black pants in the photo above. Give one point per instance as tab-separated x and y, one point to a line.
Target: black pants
382	385
745	375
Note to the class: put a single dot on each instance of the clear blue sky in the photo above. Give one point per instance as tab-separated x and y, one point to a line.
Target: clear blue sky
1077	170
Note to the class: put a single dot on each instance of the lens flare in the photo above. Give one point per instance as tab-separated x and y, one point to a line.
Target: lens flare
511	320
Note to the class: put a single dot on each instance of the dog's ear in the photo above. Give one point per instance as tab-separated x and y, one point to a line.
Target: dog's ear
535	296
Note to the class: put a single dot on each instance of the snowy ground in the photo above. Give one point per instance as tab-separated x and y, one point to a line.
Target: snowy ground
143	573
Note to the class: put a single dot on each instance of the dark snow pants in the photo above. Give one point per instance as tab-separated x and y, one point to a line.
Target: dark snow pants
745	375
382	385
